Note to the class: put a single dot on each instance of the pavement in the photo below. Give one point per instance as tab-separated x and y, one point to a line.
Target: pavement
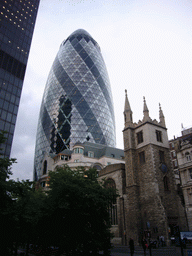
119	250
161	251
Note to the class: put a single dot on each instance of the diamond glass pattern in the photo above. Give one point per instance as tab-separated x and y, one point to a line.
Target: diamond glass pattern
77	102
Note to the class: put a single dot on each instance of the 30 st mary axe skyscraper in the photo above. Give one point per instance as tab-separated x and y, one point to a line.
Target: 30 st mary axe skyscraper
17	18
77	102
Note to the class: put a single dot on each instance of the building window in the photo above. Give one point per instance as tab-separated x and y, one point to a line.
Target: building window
64	158
142	157
159	135
175	164
98	167
190	173
161	156
188	157
43	183
78	151
90	154
174	154
112	201
108	163
139	137
45	167
76	161
166	183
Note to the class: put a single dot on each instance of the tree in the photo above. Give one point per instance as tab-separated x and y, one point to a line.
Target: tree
79	220
6	202
5	172
28	208
21	207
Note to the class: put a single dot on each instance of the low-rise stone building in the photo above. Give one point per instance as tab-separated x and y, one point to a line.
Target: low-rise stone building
149	205
87	154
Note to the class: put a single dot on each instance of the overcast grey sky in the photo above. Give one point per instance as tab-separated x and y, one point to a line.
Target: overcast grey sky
147	48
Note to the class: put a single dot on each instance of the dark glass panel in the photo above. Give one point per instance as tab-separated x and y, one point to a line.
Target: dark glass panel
79	37
89	62
5	105
7	127
74	41
95	71
78	47
83	54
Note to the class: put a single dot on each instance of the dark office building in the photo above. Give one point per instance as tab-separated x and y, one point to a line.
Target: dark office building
17	19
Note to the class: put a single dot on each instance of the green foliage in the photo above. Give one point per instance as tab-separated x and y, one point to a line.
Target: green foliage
72	214
81	220
5	162
5	172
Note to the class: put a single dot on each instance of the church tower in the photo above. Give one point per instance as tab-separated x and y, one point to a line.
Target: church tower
152	207
131	197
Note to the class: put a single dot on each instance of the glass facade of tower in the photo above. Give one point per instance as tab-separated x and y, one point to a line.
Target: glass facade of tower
17	18
77	102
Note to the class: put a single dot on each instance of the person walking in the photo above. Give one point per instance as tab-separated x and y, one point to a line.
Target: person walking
131	246
144	245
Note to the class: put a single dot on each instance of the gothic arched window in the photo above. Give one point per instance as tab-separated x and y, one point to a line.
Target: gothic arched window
45	167
112	200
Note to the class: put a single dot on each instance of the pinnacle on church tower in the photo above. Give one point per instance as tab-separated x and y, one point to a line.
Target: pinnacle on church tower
127	111
161	116
145	111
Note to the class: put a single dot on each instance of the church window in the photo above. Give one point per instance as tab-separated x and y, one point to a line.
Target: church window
45	167
166	183
142	157
159	136
139	137
161	156
98	167
112	200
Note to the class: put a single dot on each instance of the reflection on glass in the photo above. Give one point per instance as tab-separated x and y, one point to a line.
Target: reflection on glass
79	90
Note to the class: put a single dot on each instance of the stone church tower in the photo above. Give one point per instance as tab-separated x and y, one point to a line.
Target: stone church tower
152	205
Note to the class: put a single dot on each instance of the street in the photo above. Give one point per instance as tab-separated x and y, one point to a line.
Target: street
167	251
124	251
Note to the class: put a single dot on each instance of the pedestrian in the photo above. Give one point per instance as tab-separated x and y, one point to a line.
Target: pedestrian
144	245
131	246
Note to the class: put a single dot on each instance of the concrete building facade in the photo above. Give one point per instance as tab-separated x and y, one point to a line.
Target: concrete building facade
182	147
87	155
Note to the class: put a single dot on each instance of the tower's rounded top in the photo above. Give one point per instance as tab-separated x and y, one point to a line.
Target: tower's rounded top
79	34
